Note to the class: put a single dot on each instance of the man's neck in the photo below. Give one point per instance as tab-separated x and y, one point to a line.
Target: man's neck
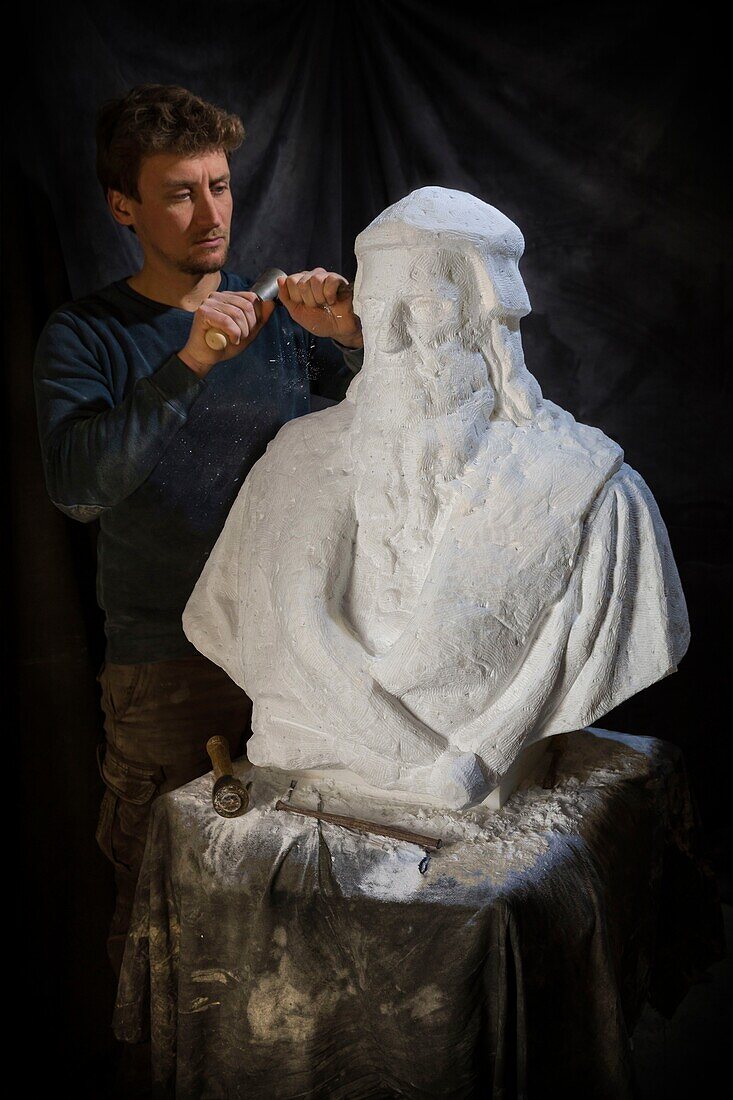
175	288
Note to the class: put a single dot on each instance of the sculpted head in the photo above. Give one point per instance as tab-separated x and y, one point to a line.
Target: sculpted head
436	267
440	298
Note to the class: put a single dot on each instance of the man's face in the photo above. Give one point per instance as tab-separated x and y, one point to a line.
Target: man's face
184	216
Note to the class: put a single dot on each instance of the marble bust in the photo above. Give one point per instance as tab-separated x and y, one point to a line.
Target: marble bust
421	581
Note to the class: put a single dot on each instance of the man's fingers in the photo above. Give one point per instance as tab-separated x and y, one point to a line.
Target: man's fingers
284	293
292	284
300	289
331	285
235	313
245	314
221	322
317	279
307	295
256	311
316	289
236	320
305	288
234	296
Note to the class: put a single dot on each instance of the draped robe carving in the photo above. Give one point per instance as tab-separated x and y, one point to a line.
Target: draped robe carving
421	581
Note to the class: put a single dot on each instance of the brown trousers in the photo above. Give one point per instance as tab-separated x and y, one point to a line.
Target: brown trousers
158	718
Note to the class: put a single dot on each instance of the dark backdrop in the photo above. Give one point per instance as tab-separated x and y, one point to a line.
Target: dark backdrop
598	134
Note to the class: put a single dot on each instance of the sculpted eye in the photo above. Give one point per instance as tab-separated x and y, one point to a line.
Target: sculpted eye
374	306
431	309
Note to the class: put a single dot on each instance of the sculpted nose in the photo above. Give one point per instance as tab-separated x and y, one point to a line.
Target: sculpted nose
394	334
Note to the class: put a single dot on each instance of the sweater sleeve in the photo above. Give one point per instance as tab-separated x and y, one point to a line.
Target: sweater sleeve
97	452
353	357
331	366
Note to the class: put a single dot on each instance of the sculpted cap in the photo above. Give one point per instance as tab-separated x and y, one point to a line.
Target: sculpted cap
440	218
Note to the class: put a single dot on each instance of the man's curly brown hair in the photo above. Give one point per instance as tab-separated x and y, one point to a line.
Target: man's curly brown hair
158	118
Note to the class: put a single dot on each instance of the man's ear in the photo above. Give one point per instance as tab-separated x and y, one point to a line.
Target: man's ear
121	207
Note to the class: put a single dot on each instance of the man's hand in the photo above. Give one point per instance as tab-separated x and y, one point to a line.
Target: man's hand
238	314
311	299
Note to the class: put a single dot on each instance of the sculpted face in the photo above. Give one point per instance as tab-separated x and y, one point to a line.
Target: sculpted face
430	310
424	323
414	300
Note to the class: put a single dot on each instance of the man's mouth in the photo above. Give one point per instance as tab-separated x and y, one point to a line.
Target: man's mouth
210	242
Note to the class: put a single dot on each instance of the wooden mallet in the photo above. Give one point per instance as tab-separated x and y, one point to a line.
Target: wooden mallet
229	797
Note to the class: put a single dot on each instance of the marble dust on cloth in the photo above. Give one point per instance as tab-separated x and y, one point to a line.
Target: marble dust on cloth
270	956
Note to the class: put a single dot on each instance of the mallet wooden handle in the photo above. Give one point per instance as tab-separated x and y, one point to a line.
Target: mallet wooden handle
218	750
430	843
216	340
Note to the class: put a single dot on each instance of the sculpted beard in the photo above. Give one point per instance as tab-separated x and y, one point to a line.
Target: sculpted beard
423	409
420	418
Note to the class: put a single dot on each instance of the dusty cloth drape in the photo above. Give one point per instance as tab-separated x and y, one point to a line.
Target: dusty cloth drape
274	958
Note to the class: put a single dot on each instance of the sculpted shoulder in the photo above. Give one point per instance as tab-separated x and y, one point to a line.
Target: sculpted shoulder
552	465
309	449
318	434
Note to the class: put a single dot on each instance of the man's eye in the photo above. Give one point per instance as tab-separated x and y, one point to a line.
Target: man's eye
221	189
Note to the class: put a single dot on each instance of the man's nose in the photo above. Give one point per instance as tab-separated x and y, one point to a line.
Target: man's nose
394	331
207	212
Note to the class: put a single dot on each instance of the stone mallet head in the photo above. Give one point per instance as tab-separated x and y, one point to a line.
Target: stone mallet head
229	797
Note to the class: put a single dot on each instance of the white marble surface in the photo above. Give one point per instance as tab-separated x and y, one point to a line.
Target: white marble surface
423	580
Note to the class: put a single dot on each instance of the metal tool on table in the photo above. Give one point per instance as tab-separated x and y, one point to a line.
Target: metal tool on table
229	796
266	288
360	825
